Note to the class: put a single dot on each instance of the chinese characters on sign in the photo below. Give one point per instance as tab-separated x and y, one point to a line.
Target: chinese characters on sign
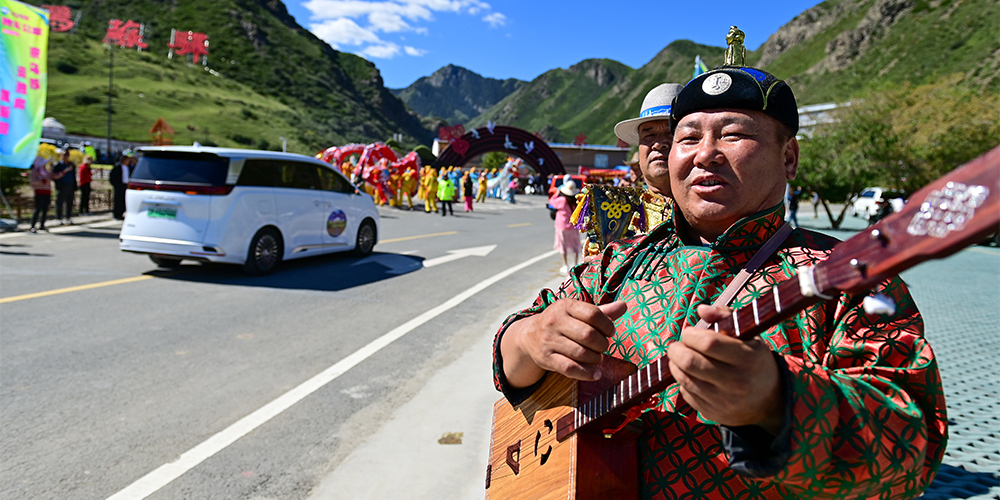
126	35
61	18
189	43
23	80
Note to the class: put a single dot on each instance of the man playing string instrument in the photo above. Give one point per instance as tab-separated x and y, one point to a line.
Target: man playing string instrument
830	403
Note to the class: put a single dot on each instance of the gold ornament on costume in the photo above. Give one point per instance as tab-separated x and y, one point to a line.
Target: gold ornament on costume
606	213
736	53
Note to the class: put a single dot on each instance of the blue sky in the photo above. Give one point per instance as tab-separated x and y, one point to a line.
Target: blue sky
408	39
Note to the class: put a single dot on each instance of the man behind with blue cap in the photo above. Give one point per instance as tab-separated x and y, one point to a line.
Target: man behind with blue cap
830	403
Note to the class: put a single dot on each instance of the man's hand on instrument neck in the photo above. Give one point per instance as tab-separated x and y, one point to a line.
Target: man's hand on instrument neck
568	338
728	380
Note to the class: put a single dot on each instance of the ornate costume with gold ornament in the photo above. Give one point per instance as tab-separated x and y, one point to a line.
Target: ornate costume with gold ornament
609	213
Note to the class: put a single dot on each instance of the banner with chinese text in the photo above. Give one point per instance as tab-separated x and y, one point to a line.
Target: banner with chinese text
23	81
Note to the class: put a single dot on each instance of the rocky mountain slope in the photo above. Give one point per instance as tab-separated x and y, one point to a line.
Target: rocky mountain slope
456	94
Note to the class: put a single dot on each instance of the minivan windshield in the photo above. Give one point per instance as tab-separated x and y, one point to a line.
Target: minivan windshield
200	169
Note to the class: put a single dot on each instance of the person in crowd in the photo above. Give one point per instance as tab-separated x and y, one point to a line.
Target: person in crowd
64	175
408	185
86	175
495	192
815	202
40	179
832	402
483	188
793	207
120	174
567	236
446	193
467	194
430	201
511	189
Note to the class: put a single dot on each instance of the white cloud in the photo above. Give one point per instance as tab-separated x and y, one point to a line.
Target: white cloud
496	19
387	50
360	23
343	31
411	51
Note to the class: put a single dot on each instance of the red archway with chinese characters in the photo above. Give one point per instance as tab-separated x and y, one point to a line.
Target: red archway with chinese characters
511	140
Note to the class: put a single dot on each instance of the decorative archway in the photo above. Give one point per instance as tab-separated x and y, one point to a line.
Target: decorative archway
510	140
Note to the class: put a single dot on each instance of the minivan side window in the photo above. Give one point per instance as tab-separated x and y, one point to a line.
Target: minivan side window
298	175
331	181
259	173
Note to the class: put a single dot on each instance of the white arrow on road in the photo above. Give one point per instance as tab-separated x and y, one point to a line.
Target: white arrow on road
459	254
394	263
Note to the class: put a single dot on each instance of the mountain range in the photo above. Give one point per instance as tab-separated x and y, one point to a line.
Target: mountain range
456	94
833	52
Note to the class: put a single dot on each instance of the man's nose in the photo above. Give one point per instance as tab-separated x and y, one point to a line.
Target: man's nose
708	153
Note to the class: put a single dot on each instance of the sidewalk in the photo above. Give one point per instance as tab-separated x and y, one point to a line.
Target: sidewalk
434	446
54	225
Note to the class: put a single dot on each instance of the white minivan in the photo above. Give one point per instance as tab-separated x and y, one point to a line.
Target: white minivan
254	208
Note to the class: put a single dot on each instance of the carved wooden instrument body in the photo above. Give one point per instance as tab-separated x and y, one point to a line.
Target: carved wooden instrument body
552	445
528	459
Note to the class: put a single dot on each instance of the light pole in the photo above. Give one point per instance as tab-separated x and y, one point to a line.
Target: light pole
111	83
284	145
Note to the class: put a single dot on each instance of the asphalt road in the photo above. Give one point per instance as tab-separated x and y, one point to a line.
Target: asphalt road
101	386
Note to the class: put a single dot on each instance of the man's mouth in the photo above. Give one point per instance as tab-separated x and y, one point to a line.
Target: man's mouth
709	182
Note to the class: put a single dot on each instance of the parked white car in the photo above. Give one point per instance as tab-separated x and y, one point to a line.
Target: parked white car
247	207
866	203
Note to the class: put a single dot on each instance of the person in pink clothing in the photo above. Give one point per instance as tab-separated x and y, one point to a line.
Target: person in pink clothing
567	236
41	183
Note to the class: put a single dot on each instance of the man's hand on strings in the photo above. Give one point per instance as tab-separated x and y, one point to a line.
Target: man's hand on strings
568	338
728	380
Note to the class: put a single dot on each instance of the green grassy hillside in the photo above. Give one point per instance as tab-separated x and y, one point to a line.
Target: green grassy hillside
199	106
274	79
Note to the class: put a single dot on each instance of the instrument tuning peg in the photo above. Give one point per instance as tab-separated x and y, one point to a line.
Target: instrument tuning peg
879	304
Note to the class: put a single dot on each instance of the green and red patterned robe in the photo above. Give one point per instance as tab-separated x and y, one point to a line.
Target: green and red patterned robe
865	410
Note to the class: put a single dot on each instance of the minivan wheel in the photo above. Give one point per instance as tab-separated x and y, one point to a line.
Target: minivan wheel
264	253
165	262
366	239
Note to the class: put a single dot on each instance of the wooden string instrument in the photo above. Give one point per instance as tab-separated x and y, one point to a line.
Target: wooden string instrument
553	445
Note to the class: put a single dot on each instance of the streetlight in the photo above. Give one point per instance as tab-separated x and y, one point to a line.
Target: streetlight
284	145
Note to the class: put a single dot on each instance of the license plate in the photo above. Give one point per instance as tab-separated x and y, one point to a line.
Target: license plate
161	213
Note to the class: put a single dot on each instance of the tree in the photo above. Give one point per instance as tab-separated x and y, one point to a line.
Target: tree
494	159
901	137
842	158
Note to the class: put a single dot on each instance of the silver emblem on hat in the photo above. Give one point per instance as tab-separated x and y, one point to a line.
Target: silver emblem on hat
716	84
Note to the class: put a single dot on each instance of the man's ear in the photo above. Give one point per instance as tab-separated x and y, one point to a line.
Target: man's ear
791	155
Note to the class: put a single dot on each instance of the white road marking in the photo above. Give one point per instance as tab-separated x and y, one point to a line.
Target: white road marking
163	475
459	254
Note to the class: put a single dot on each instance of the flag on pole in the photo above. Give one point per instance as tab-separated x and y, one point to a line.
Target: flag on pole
24	42
699	67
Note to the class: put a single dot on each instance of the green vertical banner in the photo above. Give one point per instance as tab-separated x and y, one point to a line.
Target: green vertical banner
24	42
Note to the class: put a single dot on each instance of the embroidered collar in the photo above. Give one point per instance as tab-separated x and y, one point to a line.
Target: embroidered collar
748	233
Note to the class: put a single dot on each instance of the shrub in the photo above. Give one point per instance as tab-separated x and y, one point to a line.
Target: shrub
65	67
241	139
86	99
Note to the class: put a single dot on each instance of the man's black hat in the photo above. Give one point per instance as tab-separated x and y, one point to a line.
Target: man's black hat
737	87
